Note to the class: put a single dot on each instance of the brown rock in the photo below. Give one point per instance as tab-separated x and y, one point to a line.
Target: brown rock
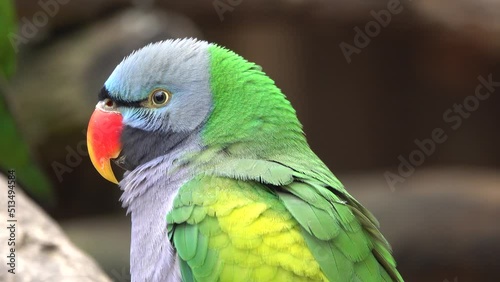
42	250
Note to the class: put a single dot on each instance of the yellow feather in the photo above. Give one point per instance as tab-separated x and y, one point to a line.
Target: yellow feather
259	237
265	273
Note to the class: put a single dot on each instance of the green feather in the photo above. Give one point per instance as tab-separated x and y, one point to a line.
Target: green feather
187	274
201	252
180	214
197	216
191	236
367	269
181	242
209	270
195	256
381	252
258	170
210	227
332	261
315	221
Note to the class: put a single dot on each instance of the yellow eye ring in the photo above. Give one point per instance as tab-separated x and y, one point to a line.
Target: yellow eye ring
159	97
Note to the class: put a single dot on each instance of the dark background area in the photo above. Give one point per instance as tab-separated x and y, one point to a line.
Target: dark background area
359	117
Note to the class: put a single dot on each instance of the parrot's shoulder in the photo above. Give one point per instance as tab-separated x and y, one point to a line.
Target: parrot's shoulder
215	194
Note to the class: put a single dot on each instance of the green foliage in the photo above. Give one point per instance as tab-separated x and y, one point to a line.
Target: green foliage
7	28
14	151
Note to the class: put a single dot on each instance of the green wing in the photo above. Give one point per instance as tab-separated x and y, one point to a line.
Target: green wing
184	233
233	230
341	234
345	238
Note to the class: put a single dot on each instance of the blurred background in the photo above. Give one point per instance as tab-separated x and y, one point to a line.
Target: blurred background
399	98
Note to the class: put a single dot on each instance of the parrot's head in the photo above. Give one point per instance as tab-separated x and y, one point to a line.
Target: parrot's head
171	90
153	100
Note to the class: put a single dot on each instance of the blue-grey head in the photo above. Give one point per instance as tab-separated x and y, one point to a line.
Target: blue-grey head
154	99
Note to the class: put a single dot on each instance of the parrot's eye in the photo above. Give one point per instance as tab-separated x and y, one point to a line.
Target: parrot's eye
109	104
159	97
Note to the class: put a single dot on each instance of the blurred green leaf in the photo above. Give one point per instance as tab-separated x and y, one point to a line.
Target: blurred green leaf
7	30
14	151
15	154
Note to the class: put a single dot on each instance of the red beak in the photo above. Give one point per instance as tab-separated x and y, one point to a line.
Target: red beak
103	140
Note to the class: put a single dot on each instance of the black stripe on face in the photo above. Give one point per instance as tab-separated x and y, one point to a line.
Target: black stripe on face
105	94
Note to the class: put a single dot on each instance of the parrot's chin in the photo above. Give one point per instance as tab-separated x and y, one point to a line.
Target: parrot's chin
121	162
118	170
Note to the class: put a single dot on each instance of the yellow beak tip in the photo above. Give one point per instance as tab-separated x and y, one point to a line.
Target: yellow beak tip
106	171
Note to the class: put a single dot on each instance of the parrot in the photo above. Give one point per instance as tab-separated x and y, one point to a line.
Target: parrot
219	180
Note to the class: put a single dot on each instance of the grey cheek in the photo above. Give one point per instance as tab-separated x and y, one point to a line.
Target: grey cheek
191	112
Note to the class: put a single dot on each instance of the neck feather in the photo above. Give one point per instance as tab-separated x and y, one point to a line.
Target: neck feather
248	108
148	193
